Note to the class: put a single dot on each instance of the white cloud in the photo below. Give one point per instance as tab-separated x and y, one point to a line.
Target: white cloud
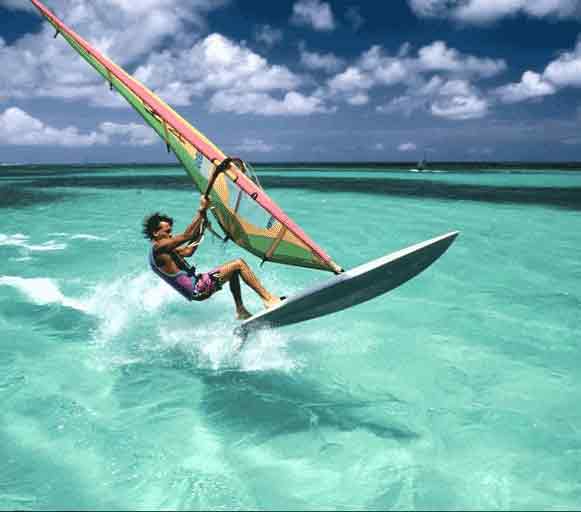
327	62
214	63
450	99
566	69
38	65
438	57
293	103
358	99
268	35
351	79
383	69
313	13
131	134
459	108
485	11
435	93
374	67
407	146
532	85
18	128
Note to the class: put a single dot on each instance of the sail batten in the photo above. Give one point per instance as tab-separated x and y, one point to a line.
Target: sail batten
248	221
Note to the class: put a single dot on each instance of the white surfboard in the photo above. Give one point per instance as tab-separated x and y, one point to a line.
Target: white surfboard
353	287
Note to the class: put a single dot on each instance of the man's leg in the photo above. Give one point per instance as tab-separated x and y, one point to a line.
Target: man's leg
241	312
230	272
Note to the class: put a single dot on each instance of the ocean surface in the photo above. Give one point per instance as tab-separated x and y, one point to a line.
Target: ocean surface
460	390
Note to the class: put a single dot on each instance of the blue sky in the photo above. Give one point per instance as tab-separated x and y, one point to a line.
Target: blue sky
299	80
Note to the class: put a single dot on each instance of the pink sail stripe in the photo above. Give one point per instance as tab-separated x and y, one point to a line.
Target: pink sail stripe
185	131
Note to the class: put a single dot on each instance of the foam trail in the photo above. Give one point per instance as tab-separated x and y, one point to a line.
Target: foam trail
78	236
20	240
82	236
42	290
267	351
127	303
123	301
213	345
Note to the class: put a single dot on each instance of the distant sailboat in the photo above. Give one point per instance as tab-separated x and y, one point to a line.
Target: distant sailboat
421	165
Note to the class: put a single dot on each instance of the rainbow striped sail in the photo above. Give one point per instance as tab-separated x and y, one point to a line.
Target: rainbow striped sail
242	208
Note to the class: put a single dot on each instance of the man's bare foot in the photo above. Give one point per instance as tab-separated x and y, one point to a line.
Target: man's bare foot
243	314
272	301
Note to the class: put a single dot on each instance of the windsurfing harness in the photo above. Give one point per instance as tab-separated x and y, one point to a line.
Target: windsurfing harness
186	282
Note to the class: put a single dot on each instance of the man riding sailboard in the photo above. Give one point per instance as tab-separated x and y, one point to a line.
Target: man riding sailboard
166	259
245	214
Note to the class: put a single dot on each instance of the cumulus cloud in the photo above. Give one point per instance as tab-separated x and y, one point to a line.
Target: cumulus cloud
358	99
459	108
324	61
438	57
385	69
131	134
564	71
459	100
352	79
532	85
420	73
38	65
313	13
268	35
228	71
293	103
407	146
216	62
485	11
449	99
18	128
375	67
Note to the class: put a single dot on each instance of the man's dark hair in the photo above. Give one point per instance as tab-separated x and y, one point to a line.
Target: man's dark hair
151	223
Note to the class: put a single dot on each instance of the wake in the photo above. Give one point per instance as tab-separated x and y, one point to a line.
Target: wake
140	316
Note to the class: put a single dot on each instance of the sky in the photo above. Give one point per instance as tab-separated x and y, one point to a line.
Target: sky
299	80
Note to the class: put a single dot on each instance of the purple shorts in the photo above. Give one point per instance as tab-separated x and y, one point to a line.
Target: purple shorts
208	282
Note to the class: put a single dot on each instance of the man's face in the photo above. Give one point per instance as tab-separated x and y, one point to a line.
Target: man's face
163	231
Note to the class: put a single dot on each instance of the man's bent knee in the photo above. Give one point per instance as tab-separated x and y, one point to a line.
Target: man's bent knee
240	263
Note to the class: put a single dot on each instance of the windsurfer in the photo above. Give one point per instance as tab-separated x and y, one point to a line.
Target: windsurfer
167	255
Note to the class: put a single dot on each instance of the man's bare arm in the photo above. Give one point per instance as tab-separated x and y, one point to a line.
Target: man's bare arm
188	250
193	231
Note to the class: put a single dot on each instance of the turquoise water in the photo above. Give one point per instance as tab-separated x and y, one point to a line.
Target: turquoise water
459	390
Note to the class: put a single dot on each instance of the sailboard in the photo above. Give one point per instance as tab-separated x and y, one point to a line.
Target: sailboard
352	287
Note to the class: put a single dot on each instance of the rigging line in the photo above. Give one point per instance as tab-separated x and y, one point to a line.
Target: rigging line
218	169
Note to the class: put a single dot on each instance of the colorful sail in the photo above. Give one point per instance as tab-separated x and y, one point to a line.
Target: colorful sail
244	211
